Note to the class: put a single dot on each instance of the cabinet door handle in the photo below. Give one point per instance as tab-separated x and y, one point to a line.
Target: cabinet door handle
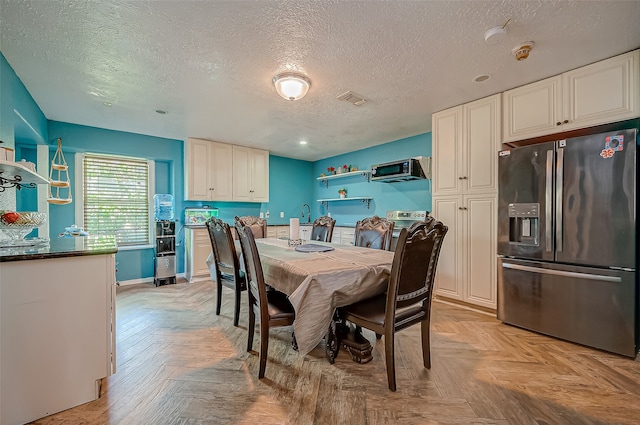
464	178
462	208
558	123
566	121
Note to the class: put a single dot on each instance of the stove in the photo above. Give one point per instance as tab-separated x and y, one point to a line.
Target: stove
404	219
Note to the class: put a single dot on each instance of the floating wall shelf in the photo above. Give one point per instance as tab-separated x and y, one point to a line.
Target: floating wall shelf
325	179
365	200
12	174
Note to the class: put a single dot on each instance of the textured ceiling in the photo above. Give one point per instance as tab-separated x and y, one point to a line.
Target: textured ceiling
209	64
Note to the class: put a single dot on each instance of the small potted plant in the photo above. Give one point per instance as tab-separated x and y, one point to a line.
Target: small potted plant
342	192
331	170
345	168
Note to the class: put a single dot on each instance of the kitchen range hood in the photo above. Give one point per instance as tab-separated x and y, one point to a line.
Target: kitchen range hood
415	168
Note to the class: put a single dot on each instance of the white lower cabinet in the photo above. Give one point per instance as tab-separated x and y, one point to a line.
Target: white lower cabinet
305	232
467	265
58	340
343	235
198	248
278	232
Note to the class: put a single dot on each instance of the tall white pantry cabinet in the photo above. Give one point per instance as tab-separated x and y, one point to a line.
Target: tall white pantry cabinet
466	142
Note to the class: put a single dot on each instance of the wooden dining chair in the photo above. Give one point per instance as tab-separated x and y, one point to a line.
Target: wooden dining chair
273	307
258	225
374	232
228	272
408	297
322	229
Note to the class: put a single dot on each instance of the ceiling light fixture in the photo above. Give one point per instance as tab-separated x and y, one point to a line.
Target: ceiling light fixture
303	142
291	85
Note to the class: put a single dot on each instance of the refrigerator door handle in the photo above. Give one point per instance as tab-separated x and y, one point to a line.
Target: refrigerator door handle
548	201
559	174
589	276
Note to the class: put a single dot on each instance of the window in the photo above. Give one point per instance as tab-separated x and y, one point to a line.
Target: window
116	197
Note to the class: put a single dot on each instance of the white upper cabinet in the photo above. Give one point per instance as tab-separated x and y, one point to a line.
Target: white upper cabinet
466	140
250	174
208	170
599	93
223	172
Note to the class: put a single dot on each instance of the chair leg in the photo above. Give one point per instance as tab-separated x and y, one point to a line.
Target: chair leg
236	313
219	300
426	344
264	347
251	328
389	351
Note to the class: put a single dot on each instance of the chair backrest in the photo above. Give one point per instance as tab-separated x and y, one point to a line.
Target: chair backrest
224	250
414	265
256	286
258	225
323	229
374	232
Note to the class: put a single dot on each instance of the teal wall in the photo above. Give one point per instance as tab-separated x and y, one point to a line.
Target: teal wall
20	117
292	182
409	195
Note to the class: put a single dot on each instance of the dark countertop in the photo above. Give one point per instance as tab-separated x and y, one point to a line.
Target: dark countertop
62	247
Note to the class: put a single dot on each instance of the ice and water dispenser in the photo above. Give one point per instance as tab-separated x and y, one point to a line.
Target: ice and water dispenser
524	224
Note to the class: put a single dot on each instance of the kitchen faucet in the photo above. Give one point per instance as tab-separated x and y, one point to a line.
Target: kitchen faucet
309	210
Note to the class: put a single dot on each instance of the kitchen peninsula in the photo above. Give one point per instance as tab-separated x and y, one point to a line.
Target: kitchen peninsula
57	325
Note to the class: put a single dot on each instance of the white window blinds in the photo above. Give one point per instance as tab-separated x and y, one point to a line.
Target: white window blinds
116	198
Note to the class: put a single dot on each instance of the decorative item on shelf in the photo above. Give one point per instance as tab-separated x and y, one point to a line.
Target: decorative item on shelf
331	170
323	175
345	168
61	182
354	168
342	192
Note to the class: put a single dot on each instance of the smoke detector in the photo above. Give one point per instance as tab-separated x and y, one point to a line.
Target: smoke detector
495	35
521	51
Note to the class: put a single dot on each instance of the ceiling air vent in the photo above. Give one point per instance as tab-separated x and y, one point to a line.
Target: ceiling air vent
352	97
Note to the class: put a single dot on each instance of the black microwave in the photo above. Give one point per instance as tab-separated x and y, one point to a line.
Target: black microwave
397	171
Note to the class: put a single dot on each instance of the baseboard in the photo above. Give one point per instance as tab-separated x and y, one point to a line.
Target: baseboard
462	304
145	280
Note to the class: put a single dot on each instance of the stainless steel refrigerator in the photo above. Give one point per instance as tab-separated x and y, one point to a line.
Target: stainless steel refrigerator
567	252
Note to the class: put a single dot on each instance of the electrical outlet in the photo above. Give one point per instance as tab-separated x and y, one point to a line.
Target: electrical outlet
281	214
261	214
266	215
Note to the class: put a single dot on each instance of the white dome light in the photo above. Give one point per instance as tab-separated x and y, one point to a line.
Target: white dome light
291	85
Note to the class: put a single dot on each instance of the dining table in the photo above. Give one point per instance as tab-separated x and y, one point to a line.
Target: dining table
319	277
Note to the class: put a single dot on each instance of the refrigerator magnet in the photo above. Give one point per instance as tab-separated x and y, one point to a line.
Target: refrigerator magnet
614	142
607	153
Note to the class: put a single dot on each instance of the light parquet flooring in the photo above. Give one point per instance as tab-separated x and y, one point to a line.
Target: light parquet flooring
180	364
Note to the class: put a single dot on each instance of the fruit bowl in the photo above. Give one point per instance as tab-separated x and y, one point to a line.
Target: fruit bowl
22	225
